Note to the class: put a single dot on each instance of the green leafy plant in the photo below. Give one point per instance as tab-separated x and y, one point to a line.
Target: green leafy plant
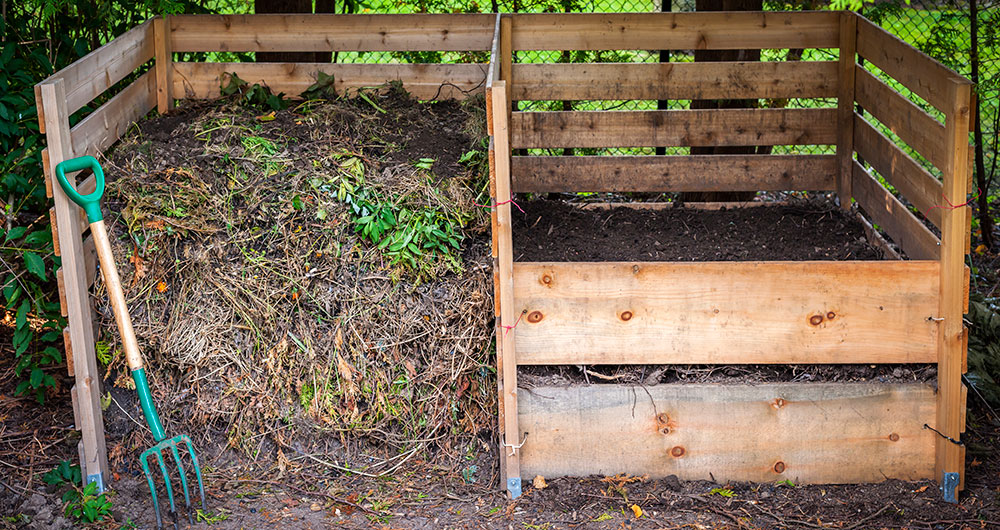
424	163
323	88
254	95
723	492
65	473
86	505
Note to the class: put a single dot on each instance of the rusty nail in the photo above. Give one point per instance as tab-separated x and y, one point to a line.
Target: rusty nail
779	467
716	311
546	279
665	430
677	451
535	317
626	315
662	418
830	315
778	403
893	437
816	320
635	269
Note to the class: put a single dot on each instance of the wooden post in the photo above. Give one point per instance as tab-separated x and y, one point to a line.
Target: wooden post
845	106
93	454
164	65
509	315
507	58
954	224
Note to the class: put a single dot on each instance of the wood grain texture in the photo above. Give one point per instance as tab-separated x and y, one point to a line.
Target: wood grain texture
954	229
845	105
106	125
320	32
911	180
915	127
675	31
164	72
100	69
720	80
726	312
423	81
665	128
813	433
541	174
892	216
916	70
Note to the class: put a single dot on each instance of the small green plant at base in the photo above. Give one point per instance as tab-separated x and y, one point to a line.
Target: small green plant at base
86	505
603	517
63	473
424	163
724	492
787	483
210	517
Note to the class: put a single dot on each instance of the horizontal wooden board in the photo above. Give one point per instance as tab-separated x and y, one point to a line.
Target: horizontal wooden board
541	174
423	81
896	167
100	69
320	32
726	312
808	433
108	123
718	30
885	210
664	128
916	70
915	127
718	80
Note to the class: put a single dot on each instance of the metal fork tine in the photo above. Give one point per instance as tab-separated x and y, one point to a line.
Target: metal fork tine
184	484
197	468
152	489
166	480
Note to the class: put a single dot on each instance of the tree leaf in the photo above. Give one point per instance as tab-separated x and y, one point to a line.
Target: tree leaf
35	264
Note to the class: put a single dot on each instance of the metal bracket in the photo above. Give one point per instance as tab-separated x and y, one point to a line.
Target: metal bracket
514	487
99	479
949	487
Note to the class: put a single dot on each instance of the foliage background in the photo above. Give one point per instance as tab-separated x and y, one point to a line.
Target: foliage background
40	37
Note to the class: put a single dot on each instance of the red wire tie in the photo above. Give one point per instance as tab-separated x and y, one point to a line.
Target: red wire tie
509	328
955	206
496	204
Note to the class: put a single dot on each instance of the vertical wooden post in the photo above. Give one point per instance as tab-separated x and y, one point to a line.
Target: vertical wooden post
86	392
509	315
507	59
954	224
845	106
164	64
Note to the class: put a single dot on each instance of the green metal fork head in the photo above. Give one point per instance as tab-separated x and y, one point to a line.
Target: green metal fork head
171	445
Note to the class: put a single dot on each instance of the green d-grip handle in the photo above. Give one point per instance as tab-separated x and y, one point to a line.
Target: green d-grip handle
91	203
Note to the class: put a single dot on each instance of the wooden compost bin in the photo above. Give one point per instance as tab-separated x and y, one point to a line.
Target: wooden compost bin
875	312
632	313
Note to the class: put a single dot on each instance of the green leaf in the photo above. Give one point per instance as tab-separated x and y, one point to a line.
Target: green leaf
36	377
16	232
35	264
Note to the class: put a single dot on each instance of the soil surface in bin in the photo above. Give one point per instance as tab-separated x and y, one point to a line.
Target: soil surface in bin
809	230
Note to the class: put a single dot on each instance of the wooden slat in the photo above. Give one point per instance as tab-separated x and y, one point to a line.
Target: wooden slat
808	433
845	106
61	287
875	239
307	33
540	174
103	127
54	222
954	227
99	70
675	31
47	172
94	463
68	344
896	167
726	312
664	128
721	80
89	260
164	72
423	81
916	70
509	318
915	127
885	210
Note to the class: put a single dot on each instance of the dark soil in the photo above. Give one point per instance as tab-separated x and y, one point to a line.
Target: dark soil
559	231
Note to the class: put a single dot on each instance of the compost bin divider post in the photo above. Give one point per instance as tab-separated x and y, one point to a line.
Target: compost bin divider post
845	106
164	65
86	393
951	408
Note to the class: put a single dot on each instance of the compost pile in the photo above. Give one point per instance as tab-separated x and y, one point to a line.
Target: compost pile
299	274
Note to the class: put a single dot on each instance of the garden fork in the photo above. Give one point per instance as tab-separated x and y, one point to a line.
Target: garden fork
91	204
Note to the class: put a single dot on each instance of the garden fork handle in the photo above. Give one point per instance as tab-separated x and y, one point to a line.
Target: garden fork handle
91	204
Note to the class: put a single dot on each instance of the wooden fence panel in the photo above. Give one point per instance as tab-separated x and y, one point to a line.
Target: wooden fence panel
664	128
803	432
685	313
103	127
892	216
676	31
306	33
423	81
722	80
570	174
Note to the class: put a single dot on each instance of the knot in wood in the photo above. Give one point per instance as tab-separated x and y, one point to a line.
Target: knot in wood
535	317
779	467
677	451
626	316
831	315
893	437
816	320
546	279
